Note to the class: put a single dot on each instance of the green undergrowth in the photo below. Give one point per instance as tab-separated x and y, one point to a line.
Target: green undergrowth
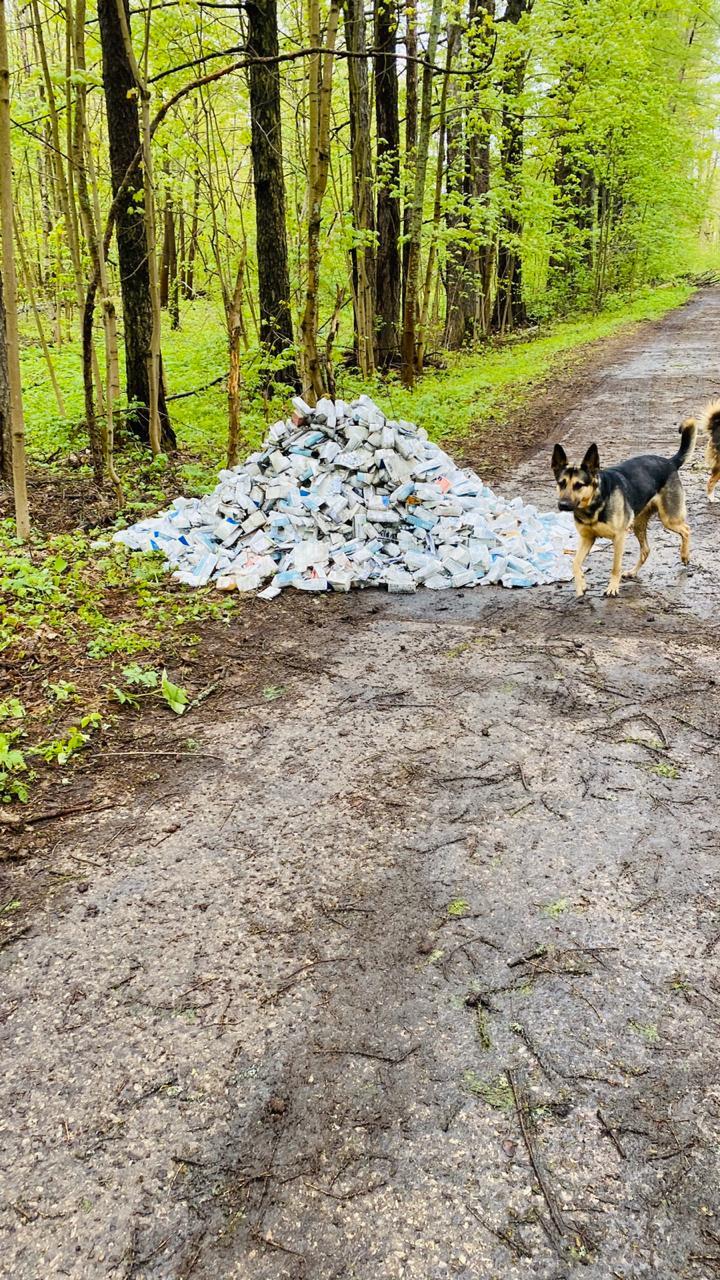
87	630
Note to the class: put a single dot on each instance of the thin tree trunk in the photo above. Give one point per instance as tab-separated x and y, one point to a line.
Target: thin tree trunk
276	329
135	261
233	312
509	310
411	112
5	442
189	281
103	447
30	290
169	288
12	347
361	161
453	45
63	181
416	210
388	273
320	71
470	253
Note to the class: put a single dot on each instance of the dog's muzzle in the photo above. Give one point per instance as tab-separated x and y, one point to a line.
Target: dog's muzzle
565	506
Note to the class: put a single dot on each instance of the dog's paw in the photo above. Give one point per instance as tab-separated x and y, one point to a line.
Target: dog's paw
580	589
612	589
712	497
630	574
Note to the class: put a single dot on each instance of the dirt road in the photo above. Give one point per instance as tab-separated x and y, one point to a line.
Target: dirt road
412	971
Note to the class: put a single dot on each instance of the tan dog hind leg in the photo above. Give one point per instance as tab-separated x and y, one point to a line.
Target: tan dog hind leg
672	510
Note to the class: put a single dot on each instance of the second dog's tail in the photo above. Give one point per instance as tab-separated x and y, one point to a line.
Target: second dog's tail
710	420
688	435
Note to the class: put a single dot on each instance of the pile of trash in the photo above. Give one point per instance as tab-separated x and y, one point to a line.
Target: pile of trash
339	496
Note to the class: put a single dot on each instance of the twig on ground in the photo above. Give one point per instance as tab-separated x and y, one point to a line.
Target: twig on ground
393	1060
610	1133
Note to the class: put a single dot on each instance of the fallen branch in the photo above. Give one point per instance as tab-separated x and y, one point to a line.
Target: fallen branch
367	1053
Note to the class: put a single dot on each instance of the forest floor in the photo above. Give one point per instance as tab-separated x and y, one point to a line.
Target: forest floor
407	966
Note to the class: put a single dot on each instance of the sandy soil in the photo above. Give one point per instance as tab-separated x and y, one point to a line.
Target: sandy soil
412	971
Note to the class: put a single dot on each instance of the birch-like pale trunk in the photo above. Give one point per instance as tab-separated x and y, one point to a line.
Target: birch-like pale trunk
418	200
362	193
12	346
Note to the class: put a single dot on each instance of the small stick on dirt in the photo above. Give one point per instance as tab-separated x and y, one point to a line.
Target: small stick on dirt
298	973
564	1229
275	1244
515	1246
549	1071
466	942
197	755
537	954
394	1060
646	719
610	1133
14	937
33	819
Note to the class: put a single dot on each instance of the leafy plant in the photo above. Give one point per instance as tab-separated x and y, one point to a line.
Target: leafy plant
75	738
145	677
63	691
12	709
13	763
175	696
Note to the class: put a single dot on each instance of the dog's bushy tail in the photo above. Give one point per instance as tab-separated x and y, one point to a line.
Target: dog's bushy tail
688	435
710	421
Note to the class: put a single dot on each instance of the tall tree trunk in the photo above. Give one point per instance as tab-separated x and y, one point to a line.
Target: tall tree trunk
363	213
81	151
5	444
276	329
189	274
11	341
418	200
453	45
411	115
121	96
470	257
26	275
64	181
233	316
388	270
169	285
320	74
509	310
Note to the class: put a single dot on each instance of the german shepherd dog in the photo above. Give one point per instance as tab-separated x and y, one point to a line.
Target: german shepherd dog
711	423
608	503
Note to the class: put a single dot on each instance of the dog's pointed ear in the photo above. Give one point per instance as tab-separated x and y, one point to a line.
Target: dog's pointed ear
591	461
559	460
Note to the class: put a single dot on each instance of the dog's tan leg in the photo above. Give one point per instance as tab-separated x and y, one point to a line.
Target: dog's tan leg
585	546
677	524
640	530
683	531
712	481
613	585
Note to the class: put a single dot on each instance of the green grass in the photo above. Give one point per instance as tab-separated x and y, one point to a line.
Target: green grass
450	402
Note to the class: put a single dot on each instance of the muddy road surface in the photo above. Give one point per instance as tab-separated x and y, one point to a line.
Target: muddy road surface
410	969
